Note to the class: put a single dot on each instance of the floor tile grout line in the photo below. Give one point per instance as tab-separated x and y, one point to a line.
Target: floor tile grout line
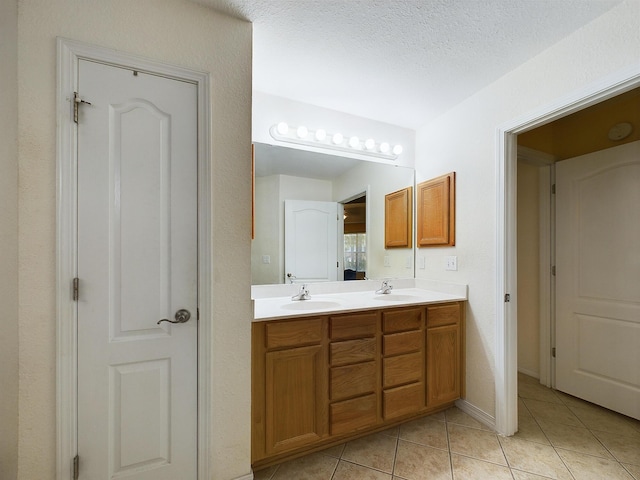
335	469
449	445
536	420
395	455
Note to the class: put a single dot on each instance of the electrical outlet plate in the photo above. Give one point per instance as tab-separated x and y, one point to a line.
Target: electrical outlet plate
387	261
452	263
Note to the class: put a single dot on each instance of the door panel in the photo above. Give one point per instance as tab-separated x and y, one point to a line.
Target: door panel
137	258
598	278
311	241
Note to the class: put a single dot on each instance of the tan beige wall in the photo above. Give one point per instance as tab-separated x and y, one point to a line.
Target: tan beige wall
176	32
9	239
528	269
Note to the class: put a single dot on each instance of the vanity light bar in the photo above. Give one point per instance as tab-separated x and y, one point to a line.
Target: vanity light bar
320	138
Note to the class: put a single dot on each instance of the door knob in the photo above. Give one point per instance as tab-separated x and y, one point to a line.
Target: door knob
182	316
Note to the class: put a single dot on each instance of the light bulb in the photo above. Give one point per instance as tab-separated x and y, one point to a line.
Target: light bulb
397	149
384	147
321	134
282	128
302	131
370	144
354	142
337	138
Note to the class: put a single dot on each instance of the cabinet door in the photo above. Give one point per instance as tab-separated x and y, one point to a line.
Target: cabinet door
443	364
296	386
436	211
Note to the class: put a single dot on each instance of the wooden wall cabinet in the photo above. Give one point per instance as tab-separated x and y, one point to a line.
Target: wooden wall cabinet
320	381
398	219
436	211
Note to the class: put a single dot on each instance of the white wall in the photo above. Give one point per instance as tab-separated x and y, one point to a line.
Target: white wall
528	269
269	110
271	192
9	239
608	44
173	31
380	181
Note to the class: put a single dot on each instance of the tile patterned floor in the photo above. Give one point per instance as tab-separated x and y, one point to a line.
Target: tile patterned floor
559	437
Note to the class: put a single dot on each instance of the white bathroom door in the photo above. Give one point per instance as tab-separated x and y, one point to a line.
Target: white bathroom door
598	278
310	241
137	264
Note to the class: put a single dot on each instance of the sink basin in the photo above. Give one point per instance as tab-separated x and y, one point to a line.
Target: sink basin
311	305
392	297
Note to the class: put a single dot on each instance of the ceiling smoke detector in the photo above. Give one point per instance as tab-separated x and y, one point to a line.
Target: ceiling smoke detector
620	131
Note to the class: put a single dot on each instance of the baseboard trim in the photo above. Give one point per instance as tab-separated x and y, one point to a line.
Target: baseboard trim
248	476
530	373
480	415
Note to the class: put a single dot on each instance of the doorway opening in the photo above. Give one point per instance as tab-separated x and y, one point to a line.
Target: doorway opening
355	238
583	146
506	280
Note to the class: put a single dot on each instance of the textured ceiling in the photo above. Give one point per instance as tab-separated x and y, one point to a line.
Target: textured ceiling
398	61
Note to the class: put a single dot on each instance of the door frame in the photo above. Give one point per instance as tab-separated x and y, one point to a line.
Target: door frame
69	52
506	359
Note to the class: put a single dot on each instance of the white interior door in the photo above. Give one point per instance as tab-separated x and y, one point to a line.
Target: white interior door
137	264
598	278
310	241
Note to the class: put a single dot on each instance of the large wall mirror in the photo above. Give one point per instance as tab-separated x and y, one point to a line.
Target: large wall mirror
299	193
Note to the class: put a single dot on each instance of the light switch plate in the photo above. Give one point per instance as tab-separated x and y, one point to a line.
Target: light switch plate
422	263
387	261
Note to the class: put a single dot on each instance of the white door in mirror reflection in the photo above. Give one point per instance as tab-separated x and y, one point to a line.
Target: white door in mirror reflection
310	241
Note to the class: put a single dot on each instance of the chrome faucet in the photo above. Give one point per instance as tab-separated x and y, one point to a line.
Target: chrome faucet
386	287
303	294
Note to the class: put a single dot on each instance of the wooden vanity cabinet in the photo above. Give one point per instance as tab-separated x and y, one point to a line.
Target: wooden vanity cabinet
403	365
323	380
289	386
353	372
445	353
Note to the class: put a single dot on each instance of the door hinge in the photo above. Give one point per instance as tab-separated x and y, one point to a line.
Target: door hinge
76	467
77	101
553	270
553	352
76	288
553	189
507	297
197	313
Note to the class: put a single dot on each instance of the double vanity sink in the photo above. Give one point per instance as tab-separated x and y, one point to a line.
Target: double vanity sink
347	361
275	301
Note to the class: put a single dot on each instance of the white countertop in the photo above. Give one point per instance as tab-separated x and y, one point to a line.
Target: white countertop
274	301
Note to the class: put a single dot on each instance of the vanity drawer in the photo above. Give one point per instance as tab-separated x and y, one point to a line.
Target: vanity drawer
405	342
402	320
439	315
352	380
293	333
350	415
402	369
352	351
354	325
402	400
